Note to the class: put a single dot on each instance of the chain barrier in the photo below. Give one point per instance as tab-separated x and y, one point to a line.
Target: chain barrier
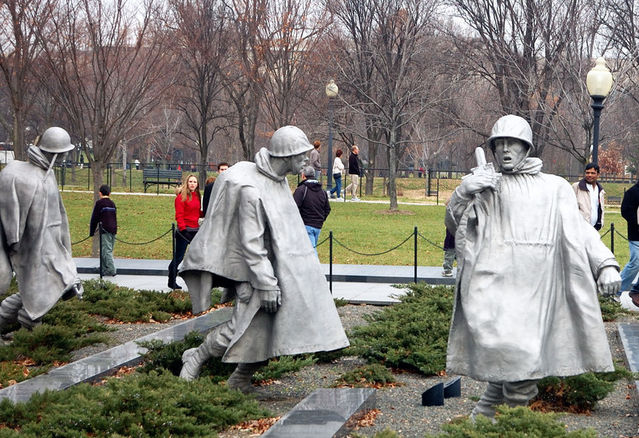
373	254
430	241
620	235
606	233
80	241
143	243
322	241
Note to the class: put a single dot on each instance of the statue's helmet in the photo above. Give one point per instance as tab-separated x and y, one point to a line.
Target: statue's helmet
514	127
55	140
288	141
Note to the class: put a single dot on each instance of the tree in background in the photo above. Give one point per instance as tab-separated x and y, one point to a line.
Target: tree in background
20	23
200	53
102	64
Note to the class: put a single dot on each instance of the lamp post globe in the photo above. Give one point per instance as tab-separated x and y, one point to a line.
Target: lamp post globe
331	92
599	83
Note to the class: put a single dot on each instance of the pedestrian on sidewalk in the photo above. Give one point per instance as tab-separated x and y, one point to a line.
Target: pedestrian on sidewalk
338	169
208	186
187	215
449	254
354	170
315	160
590	196
312	203
629	207
104	212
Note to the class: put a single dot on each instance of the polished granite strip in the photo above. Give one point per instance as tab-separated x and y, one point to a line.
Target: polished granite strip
324	413
629	334
102	363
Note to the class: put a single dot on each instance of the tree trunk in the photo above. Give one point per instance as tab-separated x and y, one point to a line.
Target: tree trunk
124	158
392	170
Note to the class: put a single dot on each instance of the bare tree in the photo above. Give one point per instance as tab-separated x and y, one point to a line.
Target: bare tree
294	29
532	53
103	65
201	47
353	57
403	86
244	74
20	21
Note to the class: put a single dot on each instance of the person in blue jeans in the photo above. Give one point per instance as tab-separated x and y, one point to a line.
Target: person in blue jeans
312	203
629	207
338	169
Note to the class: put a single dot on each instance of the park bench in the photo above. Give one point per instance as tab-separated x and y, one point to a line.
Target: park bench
161	176
613	200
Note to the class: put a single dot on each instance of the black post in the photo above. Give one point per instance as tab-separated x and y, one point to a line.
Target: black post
157	191
100	254
612	237
597	106
329	171
173	241
429	174
330	261
415	255
438	188
130	177
88	178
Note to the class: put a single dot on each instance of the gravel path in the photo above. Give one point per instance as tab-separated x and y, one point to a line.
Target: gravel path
401	410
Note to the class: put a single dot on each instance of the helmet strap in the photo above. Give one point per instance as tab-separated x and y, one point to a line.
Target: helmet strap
46	175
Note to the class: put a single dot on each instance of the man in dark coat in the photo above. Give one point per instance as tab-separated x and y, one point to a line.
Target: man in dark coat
629	207
313	204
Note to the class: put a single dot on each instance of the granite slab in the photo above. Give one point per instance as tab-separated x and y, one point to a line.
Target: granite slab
324	413
101	364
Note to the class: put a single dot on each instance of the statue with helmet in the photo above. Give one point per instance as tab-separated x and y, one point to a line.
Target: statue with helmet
35	244
254	245
529	270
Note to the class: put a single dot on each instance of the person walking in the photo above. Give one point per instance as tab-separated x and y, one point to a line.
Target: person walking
187	214
104	212
629	206
208	186
338	169
590	196
312	203
315	159
354	170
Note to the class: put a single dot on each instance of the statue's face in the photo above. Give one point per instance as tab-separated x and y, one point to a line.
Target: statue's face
509	152
297	163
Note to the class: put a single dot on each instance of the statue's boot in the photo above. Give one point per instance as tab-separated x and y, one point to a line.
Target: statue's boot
520	393
9	309
492	397
194	358
241	377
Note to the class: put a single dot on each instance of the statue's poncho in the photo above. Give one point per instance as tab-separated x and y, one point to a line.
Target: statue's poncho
34	234
526	303
253	233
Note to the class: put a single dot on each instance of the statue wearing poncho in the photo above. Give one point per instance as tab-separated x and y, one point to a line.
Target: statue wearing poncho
526	303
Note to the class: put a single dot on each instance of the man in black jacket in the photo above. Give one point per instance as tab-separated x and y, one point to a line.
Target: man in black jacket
629	207
104	213
354	171
313	204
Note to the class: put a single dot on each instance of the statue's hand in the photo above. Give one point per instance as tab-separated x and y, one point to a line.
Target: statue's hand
478	182
270	300
609	281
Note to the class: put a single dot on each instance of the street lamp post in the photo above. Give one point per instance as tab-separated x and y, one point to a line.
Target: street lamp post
331	93
599	82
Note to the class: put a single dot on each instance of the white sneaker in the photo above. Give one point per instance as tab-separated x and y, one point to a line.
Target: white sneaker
447	273
354	199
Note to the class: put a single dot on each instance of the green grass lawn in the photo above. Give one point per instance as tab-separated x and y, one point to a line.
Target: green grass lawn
361	227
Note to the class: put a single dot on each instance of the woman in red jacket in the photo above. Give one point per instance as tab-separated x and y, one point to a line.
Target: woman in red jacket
187	213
